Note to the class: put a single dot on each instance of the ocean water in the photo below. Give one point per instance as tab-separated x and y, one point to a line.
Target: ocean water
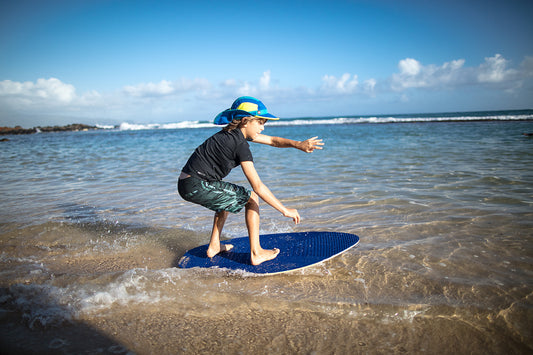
91	229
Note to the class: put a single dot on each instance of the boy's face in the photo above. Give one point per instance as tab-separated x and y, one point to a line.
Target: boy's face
253	128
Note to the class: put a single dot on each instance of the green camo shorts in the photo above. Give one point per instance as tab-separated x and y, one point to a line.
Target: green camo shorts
215	195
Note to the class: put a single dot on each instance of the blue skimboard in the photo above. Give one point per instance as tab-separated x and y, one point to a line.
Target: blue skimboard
297	250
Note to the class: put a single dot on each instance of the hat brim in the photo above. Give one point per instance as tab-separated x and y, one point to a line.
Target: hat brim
229	115
267	116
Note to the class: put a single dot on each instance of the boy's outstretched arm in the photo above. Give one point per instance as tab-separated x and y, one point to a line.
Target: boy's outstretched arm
308	146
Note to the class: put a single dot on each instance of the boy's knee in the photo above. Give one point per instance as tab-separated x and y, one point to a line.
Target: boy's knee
222	214
253	201
254	197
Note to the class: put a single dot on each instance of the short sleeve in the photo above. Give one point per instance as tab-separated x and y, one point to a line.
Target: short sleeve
243	153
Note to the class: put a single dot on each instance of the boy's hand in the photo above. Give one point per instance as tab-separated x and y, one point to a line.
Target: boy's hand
311	144
292	213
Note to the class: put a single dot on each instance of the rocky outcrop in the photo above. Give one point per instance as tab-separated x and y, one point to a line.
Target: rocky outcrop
67	128
17	130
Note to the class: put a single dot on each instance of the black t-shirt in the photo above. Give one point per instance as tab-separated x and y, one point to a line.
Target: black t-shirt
214	159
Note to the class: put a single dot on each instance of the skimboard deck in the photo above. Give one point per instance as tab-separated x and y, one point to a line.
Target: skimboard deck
297	250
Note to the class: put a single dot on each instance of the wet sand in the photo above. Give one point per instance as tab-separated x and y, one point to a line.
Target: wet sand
326	309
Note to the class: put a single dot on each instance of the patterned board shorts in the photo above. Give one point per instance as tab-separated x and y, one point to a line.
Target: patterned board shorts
215	195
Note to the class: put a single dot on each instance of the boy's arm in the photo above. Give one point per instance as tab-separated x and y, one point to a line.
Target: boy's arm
308	146
264	192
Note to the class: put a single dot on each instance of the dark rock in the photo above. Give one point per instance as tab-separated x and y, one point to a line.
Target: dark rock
16	130
68	128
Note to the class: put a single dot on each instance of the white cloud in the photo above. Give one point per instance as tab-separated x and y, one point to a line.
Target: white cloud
233	88
494	70
264	82
229	83
409	67
162	88
526	67
415	75
52	90
346	84
369	85
246	89
166	88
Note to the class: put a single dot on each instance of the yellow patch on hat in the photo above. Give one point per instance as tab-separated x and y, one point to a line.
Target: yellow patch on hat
248	106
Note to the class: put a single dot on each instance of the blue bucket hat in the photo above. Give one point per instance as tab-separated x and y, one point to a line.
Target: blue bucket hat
243	107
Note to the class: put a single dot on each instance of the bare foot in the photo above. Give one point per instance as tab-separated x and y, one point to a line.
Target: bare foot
212	251
264	255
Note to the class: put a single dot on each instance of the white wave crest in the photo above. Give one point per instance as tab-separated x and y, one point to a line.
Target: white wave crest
341	120
178	125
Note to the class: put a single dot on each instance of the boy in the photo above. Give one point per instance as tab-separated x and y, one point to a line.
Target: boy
201	182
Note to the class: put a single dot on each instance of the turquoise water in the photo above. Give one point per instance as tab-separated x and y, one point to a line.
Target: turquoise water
91	227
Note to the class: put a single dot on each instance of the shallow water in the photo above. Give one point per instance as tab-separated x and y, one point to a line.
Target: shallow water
92	228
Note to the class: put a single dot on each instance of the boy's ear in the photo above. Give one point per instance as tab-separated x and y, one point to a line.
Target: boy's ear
245	120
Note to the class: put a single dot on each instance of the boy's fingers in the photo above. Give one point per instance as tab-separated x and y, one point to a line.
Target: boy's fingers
316	143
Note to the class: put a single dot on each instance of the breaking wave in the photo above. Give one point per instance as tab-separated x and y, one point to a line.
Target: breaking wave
433	117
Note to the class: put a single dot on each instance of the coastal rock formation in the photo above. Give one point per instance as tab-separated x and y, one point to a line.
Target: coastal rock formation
17	130
67	128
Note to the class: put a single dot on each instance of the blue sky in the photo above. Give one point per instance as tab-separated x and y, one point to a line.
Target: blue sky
109	62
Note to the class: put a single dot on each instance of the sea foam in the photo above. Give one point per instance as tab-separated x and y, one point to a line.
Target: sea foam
444	117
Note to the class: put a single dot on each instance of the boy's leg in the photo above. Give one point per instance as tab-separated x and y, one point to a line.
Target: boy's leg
258	254
214	245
